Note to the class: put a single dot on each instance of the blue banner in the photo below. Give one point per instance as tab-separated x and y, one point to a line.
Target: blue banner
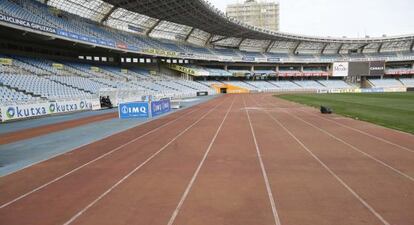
160	107
134	110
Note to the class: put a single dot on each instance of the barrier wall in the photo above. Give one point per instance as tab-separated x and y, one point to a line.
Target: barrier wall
16	112
363	90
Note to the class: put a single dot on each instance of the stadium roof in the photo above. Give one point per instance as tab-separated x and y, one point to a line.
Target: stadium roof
198	22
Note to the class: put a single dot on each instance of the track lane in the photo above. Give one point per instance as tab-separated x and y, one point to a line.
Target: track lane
63	198
389	156
306	193
31	178
230	188
151	194
383	189
20	135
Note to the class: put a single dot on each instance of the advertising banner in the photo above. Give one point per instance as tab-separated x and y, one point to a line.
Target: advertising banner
249	59
377	68
57	66
15	112
160	107
6	61
273	59
25	23
134	110
340	69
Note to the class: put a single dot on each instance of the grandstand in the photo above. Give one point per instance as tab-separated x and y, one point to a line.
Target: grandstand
85	51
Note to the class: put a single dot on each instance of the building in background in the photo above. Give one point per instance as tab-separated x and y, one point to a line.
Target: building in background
264	14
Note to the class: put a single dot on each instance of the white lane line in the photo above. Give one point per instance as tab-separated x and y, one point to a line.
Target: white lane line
264	172
77	215
94	160
353	147
189	186
348	144
361	132
360	199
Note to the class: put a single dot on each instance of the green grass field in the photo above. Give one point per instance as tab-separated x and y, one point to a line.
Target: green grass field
393	110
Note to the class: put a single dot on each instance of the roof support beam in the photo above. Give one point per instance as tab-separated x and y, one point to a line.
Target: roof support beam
152	28
324	48
340	48
220	39
208	41
380	47
189	34
240	43
295	50
412	46
105	18
362	48
270	46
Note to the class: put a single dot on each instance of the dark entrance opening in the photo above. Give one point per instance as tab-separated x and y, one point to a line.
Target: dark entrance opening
223	90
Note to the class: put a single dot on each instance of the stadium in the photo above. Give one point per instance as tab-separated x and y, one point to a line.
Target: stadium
170	112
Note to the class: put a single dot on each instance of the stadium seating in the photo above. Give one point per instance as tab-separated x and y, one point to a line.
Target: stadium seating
407	82
335	84
65	22
385	83
309	84
11	96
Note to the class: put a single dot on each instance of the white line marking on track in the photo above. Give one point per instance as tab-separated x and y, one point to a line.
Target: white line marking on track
77	215
353	147
264	173
347	144
362	132
363	202
94	160
189	186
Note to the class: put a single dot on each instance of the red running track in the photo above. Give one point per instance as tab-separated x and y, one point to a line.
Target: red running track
238	159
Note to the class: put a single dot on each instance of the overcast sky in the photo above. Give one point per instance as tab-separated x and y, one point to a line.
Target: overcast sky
336	18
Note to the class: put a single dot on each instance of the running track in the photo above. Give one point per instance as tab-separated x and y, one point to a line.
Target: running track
237	159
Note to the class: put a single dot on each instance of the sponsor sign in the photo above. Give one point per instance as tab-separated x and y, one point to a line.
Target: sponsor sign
160	107
377	68
160	52
249	59
273	59
57	66
16	112
25	23
6	61
136	29
183	69
95	69
84	38
134	110
340	69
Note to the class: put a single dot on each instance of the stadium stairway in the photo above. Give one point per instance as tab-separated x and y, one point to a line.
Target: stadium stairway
70	86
